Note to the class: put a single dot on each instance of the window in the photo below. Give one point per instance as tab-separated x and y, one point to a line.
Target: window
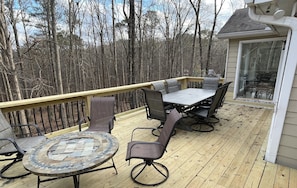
258	68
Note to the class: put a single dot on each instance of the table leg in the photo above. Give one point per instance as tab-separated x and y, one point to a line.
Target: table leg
76	181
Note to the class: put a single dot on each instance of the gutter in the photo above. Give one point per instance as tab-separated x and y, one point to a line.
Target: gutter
290	62
246	34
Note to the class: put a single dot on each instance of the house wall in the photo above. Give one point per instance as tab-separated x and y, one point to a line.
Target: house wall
287	153
231	62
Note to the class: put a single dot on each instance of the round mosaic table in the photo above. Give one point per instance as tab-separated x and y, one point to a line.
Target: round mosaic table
70	154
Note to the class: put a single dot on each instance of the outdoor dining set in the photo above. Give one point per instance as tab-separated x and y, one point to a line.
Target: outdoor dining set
200	104
83	151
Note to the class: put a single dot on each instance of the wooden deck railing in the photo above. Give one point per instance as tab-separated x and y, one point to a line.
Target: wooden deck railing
59	112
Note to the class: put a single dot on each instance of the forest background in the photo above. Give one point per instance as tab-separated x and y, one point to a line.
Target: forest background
53	47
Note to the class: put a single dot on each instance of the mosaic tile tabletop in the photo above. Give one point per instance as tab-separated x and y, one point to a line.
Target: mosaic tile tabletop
71	154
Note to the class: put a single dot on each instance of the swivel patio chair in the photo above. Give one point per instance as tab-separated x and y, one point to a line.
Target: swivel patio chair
205	115
155	108
14	148
172	85
225	86
210	83
151	151
221	101
159	86
101	117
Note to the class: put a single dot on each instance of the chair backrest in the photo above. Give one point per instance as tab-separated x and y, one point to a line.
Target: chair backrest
5	131
210	83
159	86
172	85
168	128
216	101
154	105
221	101
102	111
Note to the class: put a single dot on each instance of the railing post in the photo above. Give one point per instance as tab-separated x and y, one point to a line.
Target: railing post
184	83
88	105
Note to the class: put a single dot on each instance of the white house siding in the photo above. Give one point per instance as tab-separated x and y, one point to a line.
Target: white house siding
232	62
287	153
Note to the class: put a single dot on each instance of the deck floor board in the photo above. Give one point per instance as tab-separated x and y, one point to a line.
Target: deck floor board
230	156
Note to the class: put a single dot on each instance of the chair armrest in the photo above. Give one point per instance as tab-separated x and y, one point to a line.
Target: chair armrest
141	128
28	125
84	119
14	143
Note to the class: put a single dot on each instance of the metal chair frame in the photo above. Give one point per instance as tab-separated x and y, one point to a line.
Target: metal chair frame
151	151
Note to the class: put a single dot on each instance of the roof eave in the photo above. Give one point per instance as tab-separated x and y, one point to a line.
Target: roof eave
245	34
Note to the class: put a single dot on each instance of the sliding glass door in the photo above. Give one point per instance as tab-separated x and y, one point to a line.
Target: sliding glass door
258	68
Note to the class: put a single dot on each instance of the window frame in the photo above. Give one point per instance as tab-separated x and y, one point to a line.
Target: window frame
279	70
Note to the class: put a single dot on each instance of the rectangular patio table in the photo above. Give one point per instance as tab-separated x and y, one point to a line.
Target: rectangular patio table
184	99
189	97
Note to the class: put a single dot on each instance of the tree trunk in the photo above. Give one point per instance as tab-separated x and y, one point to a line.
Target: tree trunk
71	26
216	13
58	62
8	61
131	51
197	23
140	30
114	47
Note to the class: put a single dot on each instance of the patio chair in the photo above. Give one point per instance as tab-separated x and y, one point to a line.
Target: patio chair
172	85
210	83
101	117
14	148
159	86
205	114
225	86
155	108
151	151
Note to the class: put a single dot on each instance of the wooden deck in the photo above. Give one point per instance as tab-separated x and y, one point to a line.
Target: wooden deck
230	156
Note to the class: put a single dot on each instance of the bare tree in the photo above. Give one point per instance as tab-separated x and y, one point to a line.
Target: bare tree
7	65
140	41
57	58
131	47
114	47
99	44
217	11
196	7
72	19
